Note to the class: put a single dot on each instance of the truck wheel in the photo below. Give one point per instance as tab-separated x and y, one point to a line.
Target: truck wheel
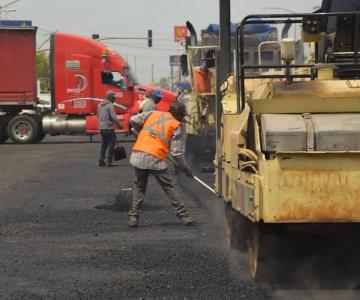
41	135
23	129
3	134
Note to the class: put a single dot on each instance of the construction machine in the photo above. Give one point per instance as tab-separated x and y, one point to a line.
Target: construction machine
288	151
199	65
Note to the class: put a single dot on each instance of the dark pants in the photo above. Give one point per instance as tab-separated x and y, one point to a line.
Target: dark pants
108	142
168	184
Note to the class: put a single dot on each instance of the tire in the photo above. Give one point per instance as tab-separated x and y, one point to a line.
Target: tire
41	135
23	129
3	134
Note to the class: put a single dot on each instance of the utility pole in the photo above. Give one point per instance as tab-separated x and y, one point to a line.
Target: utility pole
223	69
179	73
225	40
172	78
152	74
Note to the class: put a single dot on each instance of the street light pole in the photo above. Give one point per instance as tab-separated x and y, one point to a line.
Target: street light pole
152	74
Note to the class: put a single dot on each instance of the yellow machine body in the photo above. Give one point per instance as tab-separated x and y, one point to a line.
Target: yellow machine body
289	186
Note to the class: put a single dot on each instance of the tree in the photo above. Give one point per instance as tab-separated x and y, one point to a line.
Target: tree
164	83
43	71
42	65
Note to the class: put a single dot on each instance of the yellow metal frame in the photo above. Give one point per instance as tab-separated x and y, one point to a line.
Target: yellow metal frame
310	187
289	187
306	104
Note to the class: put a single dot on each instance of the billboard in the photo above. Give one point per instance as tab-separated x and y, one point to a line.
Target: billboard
180	33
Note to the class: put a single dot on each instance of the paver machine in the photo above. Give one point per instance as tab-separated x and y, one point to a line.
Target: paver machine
288	152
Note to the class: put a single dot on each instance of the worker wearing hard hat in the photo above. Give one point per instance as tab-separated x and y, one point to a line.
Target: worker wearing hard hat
159	134
150	101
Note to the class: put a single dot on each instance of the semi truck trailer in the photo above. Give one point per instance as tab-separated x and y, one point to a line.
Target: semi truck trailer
81	71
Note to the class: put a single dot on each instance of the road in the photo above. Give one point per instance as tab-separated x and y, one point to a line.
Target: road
64	235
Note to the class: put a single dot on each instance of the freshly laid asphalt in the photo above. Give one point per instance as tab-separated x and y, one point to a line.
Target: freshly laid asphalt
64	234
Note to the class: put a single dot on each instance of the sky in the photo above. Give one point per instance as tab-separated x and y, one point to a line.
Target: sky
133	18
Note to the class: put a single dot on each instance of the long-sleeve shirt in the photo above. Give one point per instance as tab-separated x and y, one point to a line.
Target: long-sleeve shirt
106	115
143	160
148	105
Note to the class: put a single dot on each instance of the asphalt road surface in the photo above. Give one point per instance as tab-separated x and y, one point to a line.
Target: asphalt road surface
64	235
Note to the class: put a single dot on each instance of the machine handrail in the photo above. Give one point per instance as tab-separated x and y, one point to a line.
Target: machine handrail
240	66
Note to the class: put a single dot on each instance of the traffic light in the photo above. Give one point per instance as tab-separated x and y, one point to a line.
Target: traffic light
149	38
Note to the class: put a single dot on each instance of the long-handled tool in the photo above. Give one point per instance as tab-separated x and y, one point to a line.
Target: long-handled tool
170	158
204	184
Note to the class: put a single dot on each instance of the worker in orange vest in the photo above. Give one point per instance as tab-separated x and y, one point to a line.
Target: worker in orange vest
160	133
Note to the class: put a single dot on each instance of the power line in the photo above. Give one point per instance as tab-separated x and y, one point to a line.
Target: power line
8	4
47	30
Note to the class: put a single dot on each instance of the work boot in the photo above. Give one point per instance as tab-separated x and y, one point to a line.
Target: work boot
133	221
187	220
101	163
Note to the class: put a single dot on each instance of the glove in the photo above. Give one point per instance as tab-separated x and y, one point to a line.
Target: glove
188	172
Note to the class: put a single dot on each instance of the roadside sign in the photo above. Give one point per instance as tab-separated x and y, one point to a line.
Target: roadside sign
180	33
175	60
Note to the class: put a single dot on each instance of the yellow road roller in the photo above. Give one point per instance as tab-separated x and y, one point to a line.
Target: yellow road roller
288	152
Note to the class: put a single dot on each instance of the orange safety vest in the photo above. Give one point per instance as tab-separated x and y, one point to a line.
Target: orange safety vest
155	136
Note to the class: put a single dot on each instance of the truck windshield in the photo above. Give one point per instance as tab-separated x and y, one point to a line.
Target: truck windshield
130	75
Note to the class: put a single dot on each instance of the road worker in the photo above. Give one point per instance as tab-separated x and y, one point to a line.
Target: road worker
159	135
150	101
107	117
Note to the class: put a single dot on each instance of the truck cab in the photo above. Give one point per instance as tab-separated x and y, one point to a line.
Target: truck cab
83	69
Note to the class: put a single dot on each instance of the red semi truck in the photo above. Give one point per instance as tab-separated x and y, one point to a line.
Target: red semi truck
81	71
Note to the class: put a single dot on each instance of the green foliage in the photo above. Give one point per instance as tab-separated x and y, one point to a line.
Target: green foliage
164	83
42	65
